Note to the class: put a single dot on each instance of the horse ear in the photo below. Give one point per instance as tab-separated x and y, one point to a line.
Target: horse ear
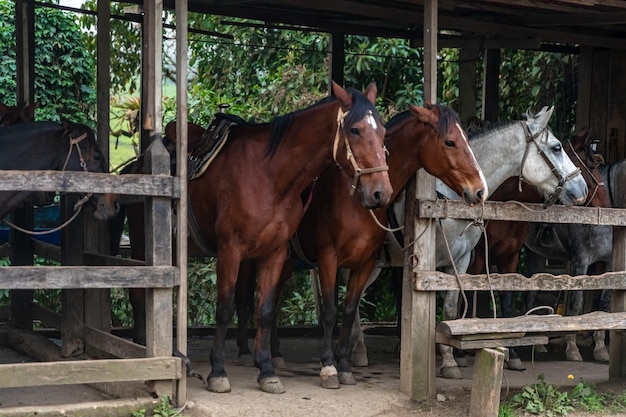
424	115
342	95
29	111
370	92
170	131
4	108
543	117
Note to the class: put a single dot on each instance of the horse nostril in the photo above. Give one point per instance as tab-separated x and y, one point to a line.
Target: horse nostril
480	194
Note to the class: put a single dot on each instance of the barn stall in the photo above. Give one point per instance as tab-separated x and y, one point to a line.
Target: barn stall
593	29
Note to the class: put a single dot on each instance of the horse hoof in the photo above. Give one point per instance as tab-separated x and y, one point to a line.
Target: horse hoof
515	364
601	355
359	359
271	385
279	362
461	361
330	379
451	372
540	349
218	384
573	355
245	360
346	378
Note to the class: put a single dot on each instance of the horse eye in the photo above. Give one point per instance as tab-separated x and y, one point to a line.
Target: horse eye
556	148
354	131
450	143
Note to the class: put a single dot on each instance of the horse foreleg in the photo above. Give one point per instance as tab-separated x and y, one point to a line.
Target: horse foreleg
356	286
574	307
137	297
227	267
358	349
244	303
278	361
269	269
327	270
449	368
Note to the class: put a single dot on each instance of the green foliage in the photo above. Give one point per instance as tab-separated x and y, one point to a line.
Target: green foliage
64	68
506	410
543	399
164	409
201	281
297	304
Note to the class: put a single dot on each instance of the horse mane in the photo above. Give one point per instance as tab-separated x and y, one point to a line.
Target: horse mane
489	129
397	119
447	116
360	107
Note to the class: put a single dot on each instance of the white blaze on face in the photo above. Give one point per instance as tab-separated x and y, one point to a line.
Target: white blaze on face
482	177
371	121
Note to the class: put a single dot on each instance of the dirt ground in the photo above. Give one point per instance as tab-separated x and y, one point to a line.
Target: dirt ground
376	393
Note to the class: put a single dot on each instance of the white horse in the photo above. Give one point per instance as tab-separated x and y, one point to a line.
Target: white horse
527	149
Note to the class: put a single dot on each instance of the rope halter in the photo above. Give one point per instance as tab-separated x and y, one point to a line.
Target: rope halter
554	196
341	115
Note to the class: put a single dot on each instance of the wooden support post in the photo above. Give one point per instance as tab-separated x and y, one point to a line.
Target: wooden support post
491	88
468	83
72	300
417	352
487	382
159	252
617	347
337	59
181	166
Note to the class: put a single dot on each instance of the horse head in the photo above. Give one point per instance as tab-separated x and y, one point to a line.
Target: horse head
363	155
550	168
449	156
84	154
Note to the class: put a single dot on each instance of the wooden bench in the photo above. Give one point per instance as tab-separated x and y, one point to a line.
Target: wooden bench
491	336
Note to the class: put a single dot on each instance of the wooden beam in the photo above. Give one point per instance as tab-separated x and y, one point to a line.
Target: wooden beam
48	277
89	371
492	210
76	182
440	281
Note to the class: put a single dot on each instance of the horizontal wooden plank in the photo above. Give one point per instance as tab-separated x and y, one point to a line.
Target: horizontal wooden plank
490	343
526	212
89	371
133	184
597	320
51	277
440	281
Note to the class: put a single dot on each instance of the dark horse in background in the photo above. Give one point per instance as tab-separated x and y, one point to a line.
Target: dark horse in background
65	146
22	113
506	238
247	204
583	246
338	232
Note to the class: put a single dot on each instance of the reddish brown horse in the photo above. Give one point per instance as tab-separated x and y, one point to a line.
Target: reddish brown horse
506	238
338	232
247	203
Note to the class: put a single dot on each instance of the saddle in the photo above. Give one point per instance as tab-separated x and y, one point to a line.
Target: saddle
210	143
546	236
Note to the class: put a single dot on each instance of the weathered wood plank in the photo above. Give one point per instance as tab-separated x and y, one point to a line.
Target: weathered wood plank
108	260
134	184
487	377
440	281
90	371
597	320
491	343
525	212
28	277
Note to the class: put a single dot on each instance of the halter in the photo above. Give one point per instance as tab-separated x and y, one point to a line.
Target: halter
341	115
598	184
552	197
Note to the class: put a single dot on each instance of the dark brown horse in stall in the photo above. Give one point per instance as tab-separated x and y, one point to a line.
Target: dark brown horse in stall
338	232
506	238
62	146
247	203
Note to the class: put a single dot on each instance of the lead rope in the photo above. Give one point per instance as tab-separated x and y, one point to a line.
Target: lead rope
79	204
